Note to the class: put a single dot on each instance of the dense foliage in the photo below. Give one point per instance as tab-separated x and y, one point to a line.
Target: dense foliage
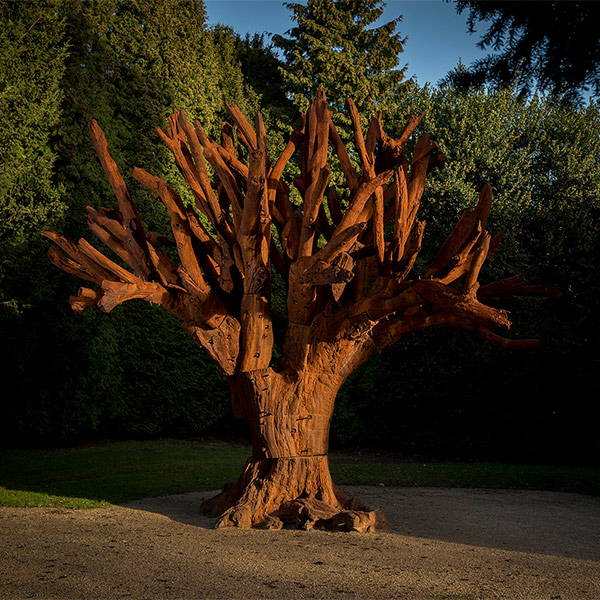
127	64
553	45
31	68
446	393
335	44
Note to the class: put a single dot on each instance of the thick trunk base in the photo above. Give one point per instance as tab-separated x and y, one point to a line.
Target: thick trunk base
292	492
287	482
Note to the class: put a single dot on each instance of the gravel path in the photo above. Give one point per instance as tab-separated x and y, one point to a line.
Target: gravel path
442	544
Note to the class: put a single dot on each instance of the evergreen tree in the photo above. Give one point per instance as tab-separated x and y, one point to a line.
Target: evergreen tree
334	45
551	45
131	62
31	67
127	63
262	69
226	69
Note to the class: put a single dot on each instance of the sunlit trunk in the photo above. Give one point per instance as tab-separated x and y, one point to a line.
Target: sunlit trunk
287	479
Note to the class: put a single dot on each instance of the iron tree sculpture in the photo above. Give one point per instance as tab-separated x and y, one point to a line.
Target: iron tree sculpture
349	287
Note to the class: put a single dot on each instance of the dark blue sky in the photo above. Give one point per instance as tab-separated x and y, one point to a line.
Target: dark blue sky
437	36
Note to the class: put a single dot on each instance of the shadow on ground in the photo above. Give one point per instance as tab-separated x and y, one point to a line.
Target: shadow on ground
551	523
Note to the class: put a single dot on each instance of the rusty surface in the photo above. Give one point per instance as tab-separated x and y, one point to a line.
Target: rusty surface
349	267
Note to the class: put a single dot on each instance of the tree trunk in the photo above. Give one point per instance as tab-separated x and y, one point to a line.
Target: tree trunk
286	481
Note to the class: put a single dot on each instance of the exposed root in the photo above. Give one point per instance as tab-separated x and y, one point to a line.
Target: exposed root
291	492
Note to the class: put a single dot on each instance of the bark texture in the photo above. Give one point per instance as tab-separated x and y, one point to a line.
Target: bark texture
347	257
298	491
287	481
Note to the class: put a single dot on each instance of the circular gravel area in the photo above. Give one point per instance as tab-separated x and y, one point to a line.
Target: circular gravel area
441	544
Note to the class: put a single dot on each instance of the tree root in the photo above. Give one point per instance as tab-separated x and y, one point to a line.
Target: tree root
289	492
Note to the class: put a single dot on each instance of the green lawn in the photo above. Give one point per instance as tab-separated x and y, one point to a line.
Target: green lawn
111	473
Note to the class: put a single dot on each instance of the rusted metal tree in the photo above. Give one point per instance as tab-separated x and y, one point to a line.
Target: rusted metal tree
349	287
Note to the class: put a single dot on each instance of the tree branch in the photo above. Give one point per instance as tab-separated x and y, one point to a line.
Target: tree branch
351	291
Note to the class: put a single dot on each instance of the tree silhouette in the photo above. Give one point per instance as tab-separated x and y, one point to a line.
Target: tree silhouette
554	44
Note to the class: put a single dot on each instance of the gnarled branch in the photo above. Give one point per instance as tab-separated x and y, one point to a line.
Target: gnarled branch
352	289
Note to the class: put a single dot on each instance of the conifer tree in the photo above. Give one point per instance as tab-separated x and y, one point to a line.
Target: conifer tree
335	45
549	45
130	63
31	67
127	63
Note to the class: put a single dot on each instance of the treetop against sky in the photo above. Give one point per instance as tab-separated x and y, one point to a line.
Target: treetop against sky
437	36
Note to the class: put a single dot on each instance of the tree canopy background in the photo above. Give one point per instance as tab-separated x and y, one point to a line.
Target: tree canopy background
128	63
336	45
553	45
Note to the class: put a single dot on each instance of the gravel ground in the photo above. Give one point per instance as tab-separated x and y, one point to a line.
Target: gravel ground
441	544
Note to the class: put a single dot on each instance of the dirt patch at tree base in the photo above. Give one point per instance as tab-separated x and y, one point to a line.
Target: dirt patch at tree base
441	544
